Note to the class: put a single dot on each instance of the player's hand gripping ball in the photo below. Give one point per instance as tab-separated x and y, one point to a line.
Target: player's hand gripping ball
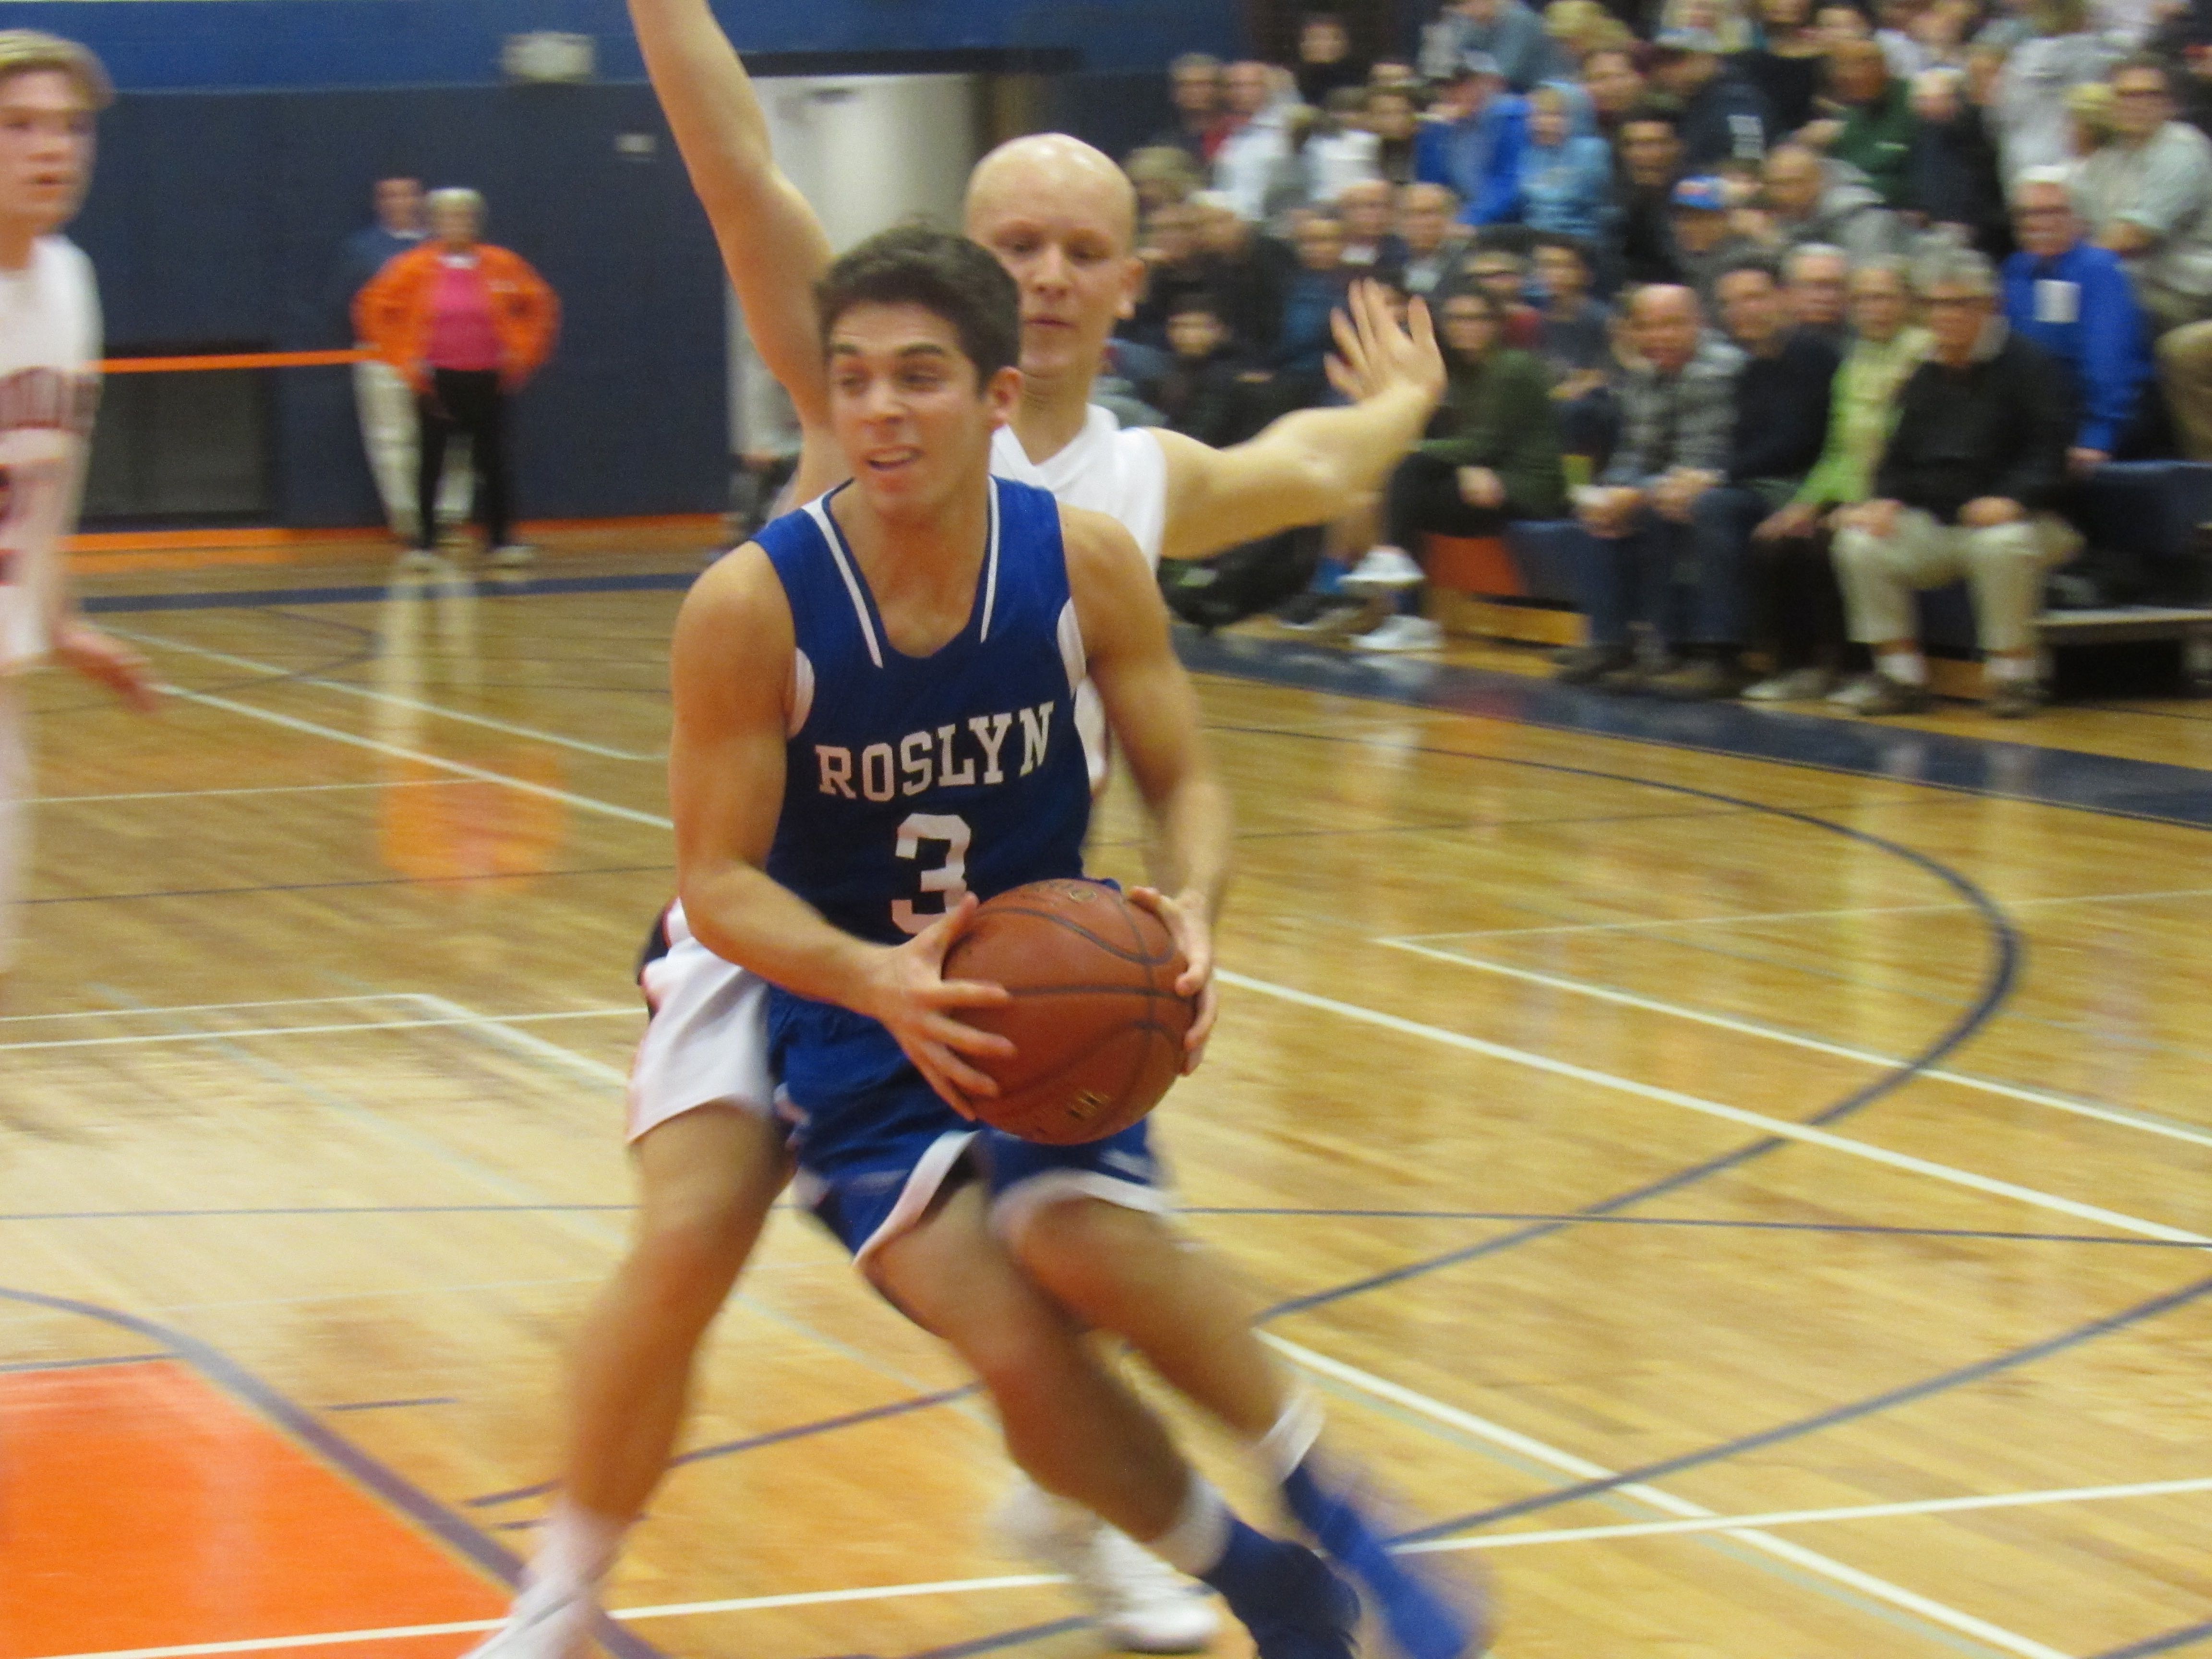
1096	1023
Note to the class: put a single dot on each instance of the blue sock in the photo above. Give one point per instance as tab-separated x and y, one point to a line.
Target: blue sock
1422	1625
1267	1580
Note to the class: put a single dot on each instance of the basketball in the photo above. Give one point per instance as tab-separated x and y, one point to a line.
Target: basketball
1096	1023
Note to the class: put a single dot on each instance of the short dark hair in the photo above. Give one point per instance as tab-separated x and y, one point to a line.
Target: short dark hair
1649	114
1195	302
1567	243
946	275
1764	264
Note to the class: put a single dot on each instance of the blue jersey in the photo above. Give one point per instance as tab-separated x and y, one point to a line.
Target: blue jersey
911	781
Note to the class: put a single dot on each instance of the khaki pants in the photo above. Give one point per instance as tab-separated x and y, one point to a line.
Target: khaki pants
389	433
2004	565
2185	369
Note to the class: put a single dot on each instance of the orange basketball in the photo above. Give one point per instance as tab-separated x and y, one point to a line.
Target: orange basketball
1096	1023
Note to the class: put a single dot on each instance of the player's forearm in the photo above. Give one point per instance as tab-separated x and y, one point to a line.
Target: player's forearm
1190	859
1333	458
707	95
745	916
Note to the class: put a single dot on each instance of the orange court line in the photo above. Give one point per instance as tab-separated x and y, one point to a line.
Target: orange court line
142	1507
234	359
108	551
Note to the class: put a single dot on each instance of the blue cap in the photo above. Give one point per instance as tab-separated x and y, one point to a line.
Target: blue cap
1479	63
1687	40
1708	195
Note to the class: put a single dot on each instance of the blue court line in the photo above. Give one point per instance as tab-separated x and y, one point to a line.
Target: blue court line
774	1437
84	1364
301	1209
1581	1218
1012	1638
2151	790
394	1404
334	1449
2187	1636
1832	1418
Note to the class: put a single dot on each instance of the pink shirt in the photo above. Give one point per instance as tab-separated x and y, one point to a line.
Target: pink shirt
461	333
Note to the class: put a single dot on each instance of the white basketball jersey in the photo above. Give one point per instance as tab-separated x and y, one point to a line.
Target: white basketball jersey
1123	474
49	387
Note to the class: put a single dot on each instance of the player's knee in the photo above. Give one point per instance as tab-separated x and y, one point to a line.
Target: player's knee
1085	1250
692	1250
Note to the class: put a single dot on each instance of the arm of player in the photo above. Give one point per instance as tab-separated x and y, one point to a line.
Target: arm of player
773	246
1316	465
1154	713
731	676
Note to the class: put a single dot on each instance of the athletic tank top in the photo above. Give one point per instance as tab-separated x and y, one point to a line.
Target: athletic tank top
49	387
910	781
1122	474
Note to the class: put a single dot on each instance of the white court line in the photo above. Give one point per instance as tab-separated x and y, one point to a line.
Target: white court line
1751	918
1781	1128
675	1610
136	1040
1582	1468
537	1048
1817	1045
391	697
265	789
2008	1500
209	1007
460	768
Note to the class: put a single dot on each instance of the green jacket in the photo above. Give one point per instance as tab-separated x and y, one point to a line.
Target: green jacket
1877	140
1862	409
1498	413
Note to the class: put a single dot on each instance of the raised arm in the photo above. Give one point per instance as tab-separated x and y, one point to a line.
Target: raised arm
1317	464
1153	714
773	246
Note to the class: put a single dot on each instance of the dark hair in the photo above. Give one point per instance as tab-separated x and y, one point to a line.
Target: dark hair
1477	293
1197	302
949	276
1764	264
2142	63
1647	114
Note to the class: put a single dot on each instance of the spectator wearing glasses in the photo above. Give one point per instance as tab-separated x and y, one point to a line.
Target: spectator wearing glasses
1816	286
2073	300
1678	405
1965	488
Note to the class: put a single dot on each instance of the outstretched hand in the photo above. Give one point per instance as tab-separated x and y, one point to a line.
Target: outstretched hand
1374	354
907	990
105	659
1187	926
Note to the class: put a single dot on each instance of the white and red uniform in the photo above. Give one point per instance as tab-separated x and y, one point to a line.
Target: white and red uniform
49	386
707	1043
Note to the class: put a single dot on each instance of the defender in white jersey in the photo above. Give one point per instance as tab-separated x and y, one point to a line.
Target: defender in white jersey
1061	217
50	91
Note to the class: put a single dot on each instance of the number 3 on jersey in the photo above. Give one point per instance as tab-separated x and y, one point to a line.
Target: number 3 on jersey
949	878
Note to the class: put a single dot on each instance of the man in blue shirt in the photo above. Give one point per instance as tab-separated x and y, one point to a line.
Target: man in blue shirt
1472	142
2074	300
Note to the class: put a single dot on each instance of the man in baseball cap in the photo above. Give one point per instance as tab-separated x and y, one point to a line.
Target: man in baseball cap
1705	240
1724	118
1472	140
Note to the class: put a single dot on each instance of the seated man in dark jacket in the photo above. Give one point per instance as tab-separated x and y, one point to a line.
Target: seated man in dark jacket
1964	488
1781	395
1209	391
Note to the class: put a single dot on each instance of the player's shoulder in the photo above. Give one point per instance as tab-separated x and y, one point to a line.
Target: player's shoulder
738	603
1098	545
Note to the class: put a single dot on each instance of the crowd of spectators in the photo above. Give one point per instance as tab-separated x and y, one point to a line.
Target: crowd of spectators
1795	307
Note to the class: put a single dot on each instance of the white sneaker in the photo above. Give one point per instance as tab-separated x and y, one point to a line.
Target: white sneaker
513	556
550	1629
1857	694
1385	567
1142	1604
416	561
1798	685
1402	633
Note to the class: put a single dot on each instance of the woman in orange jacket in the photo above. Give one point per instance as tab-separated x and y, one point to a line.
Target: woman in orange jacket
467	324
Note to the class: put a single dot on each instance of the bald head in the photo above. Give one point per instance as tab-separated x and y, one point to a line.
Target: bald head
1666	321
1052	172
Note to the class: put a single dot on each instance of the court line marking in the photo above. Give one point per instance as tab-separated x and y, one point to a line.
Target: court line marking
265	789
1704	1523
1780	1128
460	768
2011	1500
205	1007
1818	1045
391	697
137	1039
1752	918
1657	1497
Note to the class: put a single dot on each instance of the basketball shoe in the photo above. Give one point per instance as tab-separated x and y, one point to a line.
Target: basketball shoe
1142	1604
544	1623
1420	1619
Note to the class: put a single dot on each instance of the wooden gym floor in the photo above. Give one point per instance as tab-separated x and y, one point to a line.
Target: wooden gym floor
1742	1178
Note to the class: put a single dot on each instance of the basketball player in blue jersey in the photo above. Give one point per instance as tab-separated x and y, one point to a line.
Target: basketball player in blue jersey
875	728
1060	218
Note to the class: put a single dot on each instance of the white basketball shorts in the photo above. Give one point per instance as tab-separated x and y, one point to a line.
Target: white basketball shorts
706	1041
